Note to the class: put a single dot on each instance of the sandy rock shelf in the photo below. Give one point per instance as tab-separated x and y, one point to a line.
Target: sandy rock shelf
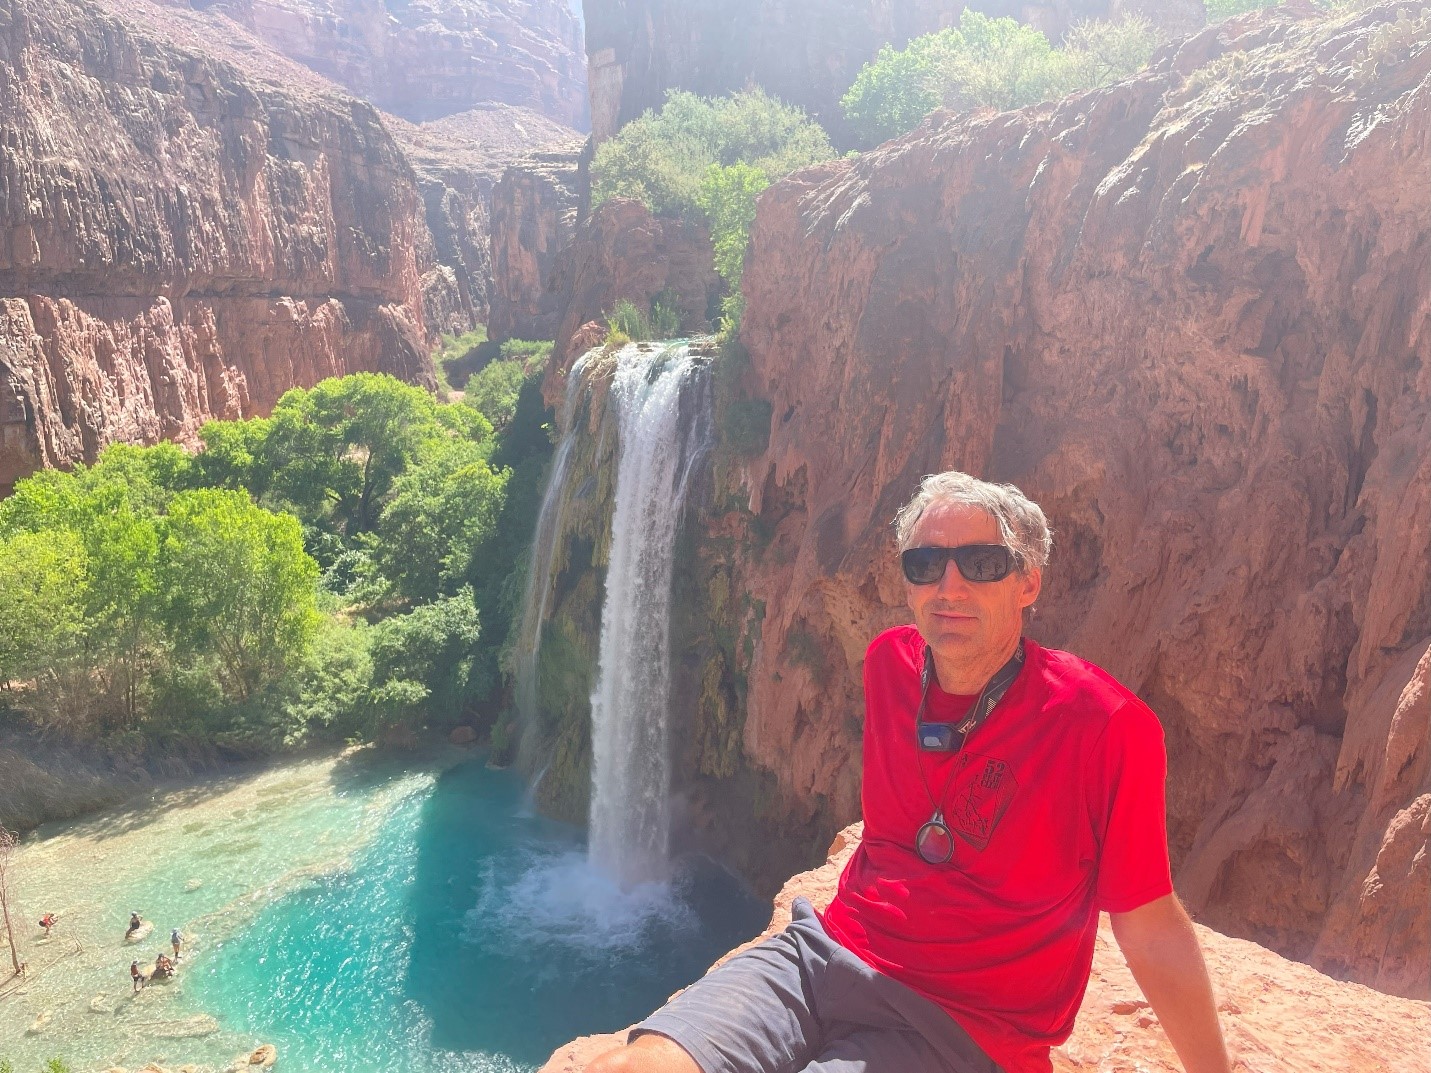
1279	1016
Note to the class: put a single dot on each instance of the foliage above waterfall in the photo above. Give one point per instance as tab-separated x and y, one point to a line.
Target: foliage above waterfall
177	598
989	62
663	158
709	159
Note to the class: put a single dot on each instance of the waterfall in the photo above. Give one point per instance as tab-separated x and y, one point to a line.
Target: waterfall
665	428
540	580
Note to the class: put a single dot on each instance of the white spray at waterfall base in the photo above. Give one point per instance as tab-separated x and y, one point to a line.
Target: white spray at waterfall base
663	399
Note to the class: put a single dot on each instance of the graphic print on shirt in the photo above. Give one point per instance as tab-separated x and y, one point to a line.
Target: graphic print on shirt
982	789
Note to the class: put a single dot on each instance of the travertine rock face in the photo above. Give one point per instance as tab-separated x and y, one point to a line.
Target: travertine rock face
806	52
534	214
1277	1016
425	59
622	251
181	243
1189	316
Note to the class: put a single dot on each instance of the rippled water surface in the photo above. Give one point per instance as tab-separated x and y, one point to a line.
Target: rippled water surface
360	915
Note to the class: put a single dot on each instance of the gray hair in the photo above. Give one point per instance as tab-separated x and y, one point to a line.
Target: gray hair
1023	525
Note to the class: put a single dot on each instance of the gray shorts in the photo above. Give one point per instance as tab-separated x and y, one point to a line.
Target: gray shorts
801	1001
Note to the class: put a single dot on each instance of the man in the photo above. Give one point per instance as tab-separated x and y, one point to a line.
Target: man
1010	793
176	940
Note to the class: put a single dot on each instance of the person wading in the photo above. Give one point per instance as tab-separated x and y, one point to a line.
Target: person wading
1010	793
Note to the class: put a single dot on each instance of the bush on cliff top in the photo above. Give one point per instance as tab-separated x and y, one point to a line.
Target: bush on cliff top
989	62
708	159
662	158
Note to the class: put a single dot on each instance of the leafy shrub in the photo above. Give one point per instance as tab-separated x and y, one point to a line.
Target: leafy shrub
493	391
421	663
989	63
661	158
1217	10
665	315
727	196
628	320
532	353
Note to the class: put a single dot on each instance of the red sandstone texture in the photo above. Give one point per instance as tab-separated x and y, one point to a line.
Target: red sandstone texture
1189	315
622	251
806	52
1278	1016
425	59
535	208
456	158
181	243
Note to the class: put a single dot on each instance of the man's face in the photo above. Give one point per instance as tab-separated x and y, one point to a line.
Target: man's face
968	624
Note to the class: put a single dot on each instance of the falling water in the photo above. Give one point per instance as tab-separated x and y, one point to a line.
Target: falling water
663	400
539	577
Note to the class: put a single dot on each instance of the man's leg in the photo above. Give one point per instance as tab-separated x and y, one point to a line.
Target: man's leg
882	1050
757	1013
647	1053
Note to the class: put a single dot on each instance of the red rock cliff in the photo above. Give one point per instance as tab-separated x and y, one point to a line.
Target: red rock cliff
180	242
1189	316
424	59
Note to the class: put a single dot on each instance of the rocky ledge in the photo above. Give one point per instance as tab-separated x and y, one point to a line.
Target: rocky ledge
1279	1016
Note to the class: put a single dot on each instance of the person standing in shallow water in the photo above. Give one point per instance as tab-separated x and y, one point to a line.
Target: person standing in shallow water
1010	793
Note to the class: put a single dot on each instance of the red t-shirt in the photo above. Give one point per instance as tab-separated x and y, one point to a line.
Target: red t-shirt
1057	811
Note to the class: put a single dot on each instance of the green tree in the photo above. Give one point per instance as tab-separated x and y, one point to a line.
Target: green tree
442	511
989	63
334	450
727	197
1100	53
661	158
493	391
239	587
422	664
43	580
895	91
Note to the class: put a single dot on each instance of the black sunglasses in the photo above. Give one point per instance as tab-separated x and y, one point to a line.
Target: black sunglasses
976	562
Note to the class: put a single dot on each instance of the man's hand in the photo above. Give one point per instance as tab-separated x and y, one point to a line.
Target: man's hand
1161	948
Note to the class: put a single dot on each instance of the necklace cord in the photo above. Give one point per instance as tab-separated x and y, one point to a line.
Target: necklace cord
993	692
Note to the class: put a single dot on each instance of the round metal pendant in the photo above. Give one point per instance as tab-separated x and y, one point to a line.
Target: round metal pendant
935	842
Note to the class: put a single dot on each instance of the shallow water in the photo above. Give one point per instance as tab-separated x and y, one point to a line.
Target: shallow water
363	916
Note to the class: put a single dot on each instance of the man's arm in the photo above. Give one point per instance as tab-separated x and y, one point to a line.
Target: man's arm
1161	948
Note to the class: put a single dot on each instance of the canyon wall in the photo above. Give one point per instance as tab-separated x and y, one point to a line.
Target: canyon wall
425	59
806	52
182	242
535	210
1189	315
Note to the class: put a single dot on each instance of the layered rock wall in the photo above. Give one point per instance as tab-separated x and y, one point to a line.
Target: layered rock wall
806	52
183	243
425	59
535	208
1189	316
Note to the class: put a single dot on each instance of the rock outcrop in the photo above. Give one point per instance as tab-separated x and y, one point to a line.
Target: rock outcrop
183	243
425	59
806	52
622	251
1187	314
535	208
1278	1016
459	161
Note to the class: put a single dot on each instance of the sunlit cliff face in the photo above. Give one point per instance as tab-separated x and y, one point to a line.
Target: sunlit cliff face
972	627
